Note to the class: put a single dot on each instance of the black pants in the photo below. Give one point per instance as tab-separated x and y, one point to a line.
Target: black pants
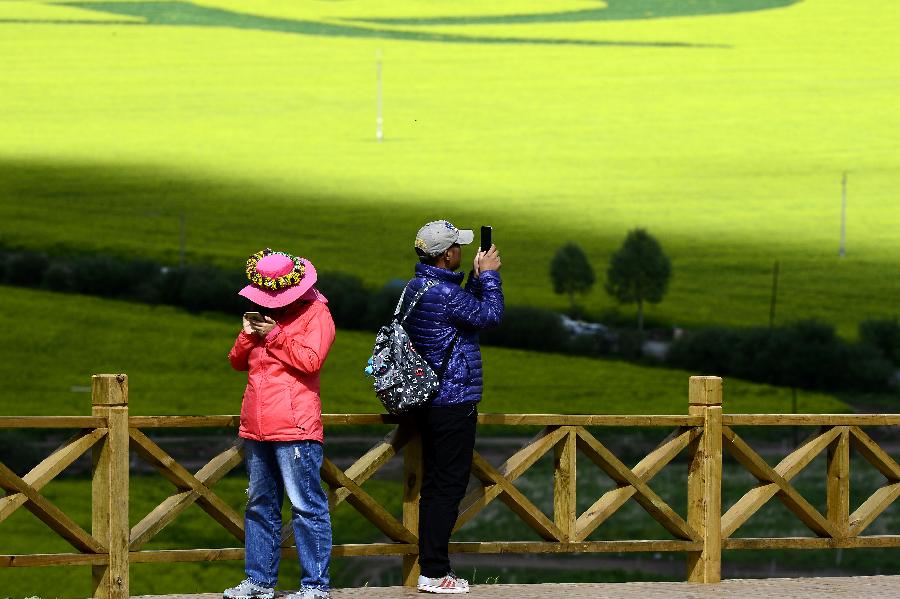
448	439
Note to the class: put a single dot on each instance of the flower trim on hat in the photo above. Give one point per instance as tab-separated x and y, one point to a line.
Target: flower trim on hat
420	243
283	282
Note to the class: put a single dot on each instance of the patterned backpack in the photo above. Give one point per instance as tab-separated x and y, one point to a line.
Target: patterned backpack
403	379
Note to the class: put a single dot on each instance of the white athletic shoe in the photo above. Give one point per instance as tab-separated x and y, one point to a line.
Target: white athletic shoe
451	583
248	589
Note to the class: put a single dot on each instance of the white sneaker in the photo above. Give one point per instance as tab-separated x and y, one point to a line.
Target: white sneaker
451	583
247	589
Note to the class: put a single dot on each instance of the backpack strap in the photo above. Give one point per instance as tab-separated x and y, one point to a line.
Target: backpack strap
415	300
447	356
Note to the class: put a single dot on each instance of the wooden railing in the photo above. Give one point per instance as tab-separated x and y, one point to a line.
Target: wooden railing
702	533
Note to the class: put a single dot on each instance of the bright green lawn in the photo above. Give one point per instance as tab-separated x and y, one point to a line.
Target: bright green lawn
177	365
724	134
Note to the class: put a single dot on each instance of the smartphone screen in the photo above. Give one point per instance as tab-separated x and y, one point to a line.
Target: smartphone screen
486	238
254	316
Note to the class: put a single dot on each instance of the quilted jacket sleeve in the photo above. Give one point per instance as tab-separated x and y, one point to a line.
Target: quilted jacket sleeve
307	350
480	305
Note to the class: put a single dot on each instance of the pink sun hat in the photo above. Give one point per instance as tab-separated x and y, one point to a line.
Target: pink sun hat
278	279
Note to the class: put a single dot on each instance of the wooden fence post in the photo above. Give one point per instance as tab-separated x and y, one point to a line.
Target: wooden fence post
564	478
412	485
838	485
109	503
704	512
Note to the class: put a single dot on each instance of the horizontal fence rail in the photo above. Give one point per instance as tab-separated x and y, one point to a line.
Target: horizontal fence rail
702	532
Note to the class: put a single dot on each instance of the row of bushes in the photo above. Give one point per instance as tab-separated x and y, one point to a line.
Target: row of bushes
806	354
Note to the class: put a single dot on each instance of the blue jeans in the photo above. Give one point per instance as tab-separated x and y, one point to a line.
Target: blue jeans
273	468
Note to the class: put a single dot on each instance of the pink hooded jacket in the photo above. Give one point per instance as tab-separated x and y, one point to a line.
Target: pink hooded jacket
281	401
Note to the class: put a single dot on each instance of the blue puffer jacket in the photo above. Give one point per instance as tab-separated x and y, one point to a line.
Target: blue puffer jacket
444	310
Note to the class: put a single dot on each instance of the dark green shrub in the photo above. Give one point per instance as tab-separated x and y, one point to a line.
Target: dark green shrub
528	328
883	335
209	288
59	277
26	268
868	369
107	276
587	344
348	299
382	304
708	351
806	354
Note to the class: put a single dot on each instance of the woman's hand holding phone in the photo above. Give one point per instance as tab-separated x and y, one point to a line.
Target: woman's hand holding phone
254	322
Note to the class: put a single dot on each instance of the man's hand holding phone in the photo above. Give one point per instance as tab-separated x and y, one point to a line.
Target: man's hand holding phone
489	260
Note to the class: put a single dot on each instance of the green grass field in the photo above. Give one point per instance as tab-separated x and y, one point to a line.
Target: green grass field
177	364
722	127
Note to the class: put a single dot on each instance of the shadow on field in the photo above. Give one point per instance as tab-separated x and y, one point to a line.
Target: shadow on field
613	10
186	14
144	211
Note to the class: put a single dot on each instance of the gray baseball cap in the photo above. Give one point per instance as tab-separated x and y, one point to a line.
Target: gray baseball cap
437	236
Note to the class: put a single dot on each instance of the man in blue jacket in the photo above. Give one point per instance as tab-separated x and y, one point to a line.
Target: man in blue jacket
444	328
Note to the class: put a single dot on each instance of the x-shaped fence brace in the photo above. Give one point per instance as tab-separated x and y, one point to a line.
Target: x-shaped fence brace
25	491
776	481
191	489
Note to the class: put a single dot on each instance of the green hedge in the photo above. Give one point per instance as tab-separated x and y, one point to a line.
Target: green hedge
806	354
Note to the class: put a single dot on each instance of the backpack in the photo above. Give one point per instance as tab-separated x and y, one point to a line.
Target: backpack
403	379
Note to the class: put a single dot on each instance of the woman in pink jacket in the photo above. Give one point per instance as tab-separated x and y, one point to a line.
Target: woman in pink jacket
281	422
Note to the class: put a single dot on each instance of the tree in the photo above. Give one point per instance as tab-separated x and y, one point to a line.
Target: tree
571	272
638	272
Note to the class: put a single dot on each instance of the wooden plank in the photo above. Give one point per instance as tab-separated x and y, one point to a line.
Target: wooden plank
758	467
646	469
497	419
52	559
374	459
366	505
808	450
412	487
512	469
238	553
564	479
52	422
837	488
222	421
875	541
353	550
869	449
531	547
872	507
811	419
49	514
515	500
788	468
160	517
658	509
173	556
353	419
51	467
705	481
589	420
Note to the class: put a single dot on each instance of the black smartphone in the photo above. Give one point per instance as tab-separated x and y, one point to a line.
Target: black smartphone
486	238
